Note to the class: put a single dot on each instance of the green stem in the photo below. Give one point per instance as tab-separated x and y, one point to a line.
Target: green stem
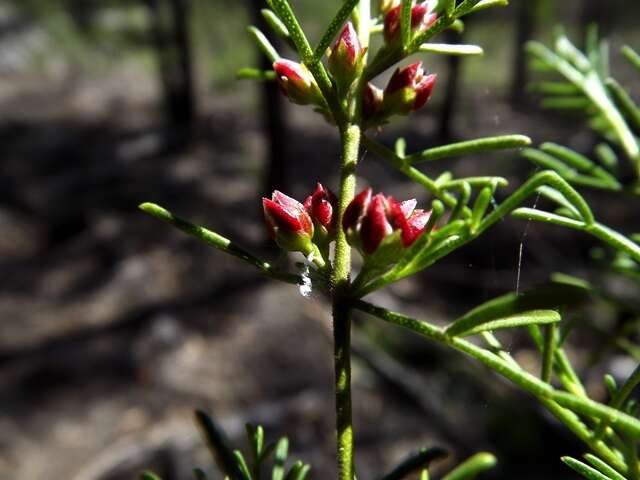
350	136
548	352
620	397
217	241
563	405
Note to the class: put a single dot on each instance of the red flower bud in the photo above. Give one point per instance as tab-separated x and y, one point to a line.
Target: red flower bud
320	206
368	220
386	5
421	20
346	57
352	218
371	102
408	89
297	83
288	223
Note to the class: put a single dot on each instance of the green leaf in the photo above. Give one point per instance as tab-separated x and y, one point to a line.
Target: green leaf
567	103
476	464
579	161
484	4
625	102
199	474
242	465
149	476
216	240
546	297
603	467
465	327
545	160
611	384
632	56
263	43
335	25
548	352
282	451
570	53
255	434
445	6
551	398
276	24
620	397
549	296
554	88
218	446
400	147
557	197
298	471
487	144
415	462
282	8
457	50
607	156
575	67
526	213
480	205
249	73
583	469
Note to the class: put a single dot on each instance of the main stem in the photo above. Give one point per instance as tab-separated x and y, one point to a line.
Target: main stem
350	137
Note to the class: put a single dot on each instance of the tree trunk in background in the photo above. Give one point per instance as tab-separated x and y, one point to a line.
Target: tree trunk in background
81	12
600	12
170	32
272	115
448	108
525	26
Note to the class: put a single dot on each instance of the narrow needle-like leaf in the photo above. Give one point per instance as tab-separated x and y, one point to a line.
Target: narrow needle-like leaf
451	49
334	27
215	240
526	213
415	462
218	446
282	450
149	476
470	146
603	467
632	56
583	469
465	326
263	43
249	73
472	467
625	102
484	4
528	382
199	474
548	352
620	397
276	24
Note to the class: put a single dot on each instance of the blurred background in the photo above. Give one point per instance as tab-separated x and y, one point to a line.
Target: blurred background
114	327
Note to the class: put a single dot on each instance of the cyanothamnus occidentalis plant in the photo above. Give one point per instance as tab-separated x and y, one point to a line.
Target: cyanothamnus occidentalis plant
396	238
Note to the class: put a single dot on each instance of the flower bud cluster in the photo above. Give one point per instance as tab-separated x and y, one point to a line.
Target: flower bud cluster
422	17
369	222
408	90
370	219
306	227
